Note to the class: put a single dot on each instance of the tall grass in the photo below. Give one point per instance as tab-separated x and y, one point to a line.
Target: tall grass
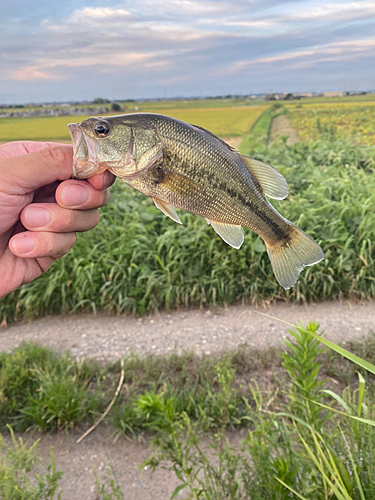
137	260
294	449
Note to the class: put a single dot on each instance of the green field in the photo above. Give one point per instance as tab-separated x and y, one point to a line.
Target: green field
223	121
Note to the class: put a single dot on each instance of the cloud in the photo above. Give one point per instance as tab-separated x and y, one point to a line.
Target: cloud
30	73
99	13
156	47
330	52
335	11
190	7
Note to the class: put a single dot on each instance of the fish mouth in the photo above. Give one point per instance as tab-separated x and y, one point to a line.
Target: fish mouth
85	153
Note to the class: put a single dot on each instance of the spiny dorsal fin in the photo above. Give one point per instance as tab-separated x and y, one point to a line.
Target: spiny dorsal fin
271	181
168	210
231	148
233	235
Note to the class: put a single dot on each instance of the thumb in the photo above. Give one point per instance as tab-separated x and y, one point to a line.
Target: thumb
26	173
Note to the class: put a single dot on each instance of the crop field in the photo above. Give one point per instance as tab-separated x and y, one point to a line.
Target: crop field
224	121
354	120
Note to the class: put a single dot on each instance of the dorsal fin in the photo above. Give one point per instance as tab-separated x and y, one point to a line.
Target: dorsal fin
231	148
271	181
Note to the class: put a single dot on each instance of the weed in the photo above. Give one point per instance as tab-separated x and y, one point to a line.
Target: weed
114	492
41	389
17	465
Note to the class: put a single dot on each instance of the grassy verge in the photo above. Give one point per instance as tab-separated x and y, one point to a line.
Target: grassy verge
43	390
307	436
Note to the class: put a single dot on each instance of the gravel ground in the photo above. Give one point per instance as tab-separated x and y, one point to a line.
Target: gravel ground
204	331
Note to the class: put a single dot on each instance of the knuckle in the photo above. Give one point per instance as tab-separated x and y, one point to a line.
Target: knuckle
58	154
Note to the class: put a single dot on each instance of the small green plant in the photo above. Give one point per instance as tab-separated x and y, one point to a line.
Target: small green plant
114	493
21	476
302	365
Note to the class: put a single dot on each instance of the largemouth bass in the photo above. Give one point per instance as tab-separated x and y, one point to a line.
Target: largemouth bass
185	166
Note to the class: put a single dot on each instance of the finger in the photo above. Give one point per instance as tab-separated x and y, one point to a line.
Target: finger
46	194
26	173
17	148
53	218
31	245
80	195
102	181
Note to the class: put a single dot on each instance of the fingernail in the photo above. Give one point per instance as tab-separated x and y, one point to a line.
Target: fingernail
23	243
37	216
74	195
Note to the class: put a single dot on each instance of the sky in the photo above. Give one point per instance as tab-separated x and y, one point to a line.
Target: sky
80	50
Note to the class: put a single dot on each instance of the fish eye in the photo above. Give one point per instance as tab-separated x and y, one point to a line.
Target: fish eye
102	129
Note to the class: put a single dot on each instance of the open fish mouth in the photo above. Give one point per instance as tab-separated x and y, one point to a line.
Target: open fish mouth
85	154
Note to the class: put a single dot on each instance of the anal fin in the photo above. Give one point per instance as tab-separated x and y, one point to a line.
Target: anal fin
233	235
167	209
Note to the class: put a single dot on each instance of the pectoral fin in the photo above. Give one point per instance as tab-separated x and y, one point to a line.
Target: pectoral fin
233	235
168	210
271	181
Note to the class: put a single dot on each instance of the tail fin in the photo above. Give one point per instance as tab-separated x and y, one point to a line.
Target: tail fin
289	258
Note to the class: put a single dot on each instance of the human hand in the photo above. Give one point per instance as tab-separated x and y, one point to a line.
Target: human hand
41	208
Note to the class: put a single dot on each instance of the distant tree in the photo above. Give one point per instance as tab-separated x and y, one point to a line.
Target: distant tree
115	107
289	97
270	97
99	100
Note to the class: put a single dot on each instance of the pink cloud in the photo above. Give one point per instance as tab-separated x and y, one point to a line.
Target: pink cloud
30	73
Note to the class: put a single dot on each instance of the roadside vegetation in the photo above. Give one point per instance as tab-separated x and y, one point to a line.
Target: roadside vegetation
309	421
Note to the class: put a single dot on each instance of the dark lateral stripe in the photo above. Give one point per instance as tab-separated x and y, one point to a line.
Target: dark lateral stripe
200	175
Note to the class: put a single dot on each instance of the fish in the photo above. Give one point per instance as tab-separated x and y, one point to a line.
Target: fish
184	166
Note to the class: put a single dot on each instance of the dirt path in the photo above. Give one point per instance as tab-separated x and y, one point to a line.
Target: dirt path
281	126
233	141
205	331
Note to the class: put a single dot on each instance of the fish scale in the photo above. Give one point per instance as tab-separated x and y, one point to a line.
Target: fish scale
183	166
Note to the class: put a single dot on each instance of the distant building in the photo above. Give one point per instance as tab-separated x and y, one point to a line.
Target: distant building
334	93
304	94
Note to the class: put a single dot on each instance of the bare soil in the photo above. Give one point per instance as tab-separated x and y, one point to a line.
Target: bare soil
233	141
208	332
281	126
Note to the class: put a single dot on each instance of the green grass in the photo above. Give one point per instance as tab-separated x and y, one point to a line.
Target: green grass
137	260
304	433
43	390
259	133
294	449
18	463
